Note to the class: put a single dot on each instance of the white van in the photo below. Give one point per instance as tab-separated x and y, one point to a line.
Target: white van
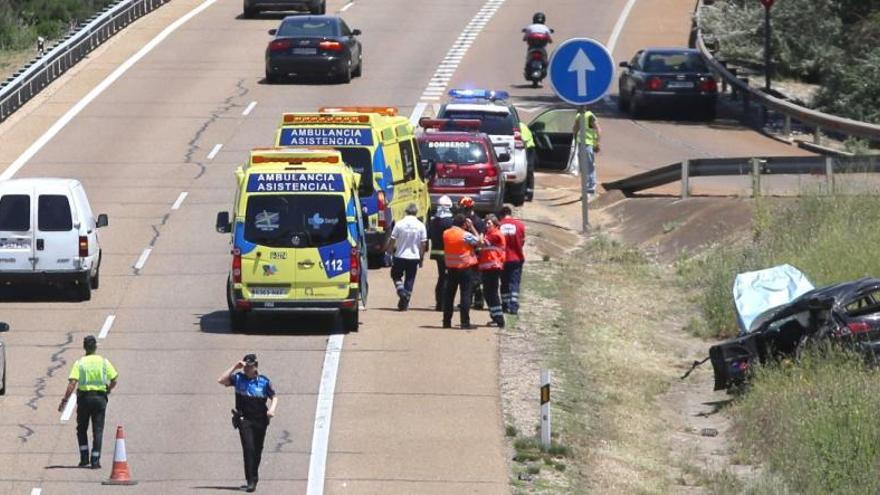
48	233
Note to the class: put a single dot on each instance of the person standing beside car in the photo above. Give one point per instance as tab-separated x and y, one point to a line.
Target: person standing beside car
491	264
514	232
93	377
252	414
408	242
586	134
531	159
441	221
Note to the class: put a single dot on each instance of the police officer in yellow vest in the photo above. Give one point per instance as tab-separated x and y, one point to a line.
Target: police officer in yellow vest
586	131
93	377
531	159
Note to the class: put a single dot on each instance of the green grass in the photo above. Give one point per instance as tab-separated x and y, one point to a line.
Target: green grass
815	423
829	238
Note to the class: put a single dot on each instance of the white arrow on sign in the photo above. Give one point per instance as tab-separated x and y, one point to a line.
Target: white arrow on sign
581	64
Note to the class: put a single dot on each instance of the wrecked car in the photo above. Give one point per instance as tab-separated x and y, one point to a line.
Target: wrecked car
847	313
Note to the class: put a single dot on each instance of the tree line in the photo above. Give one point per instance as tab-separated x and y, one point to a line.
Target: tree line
22	21
832	43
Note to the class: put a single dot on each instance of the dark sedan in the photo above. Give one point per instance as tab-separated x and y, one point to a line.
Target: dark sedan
670	77
317	45
847	313
254	7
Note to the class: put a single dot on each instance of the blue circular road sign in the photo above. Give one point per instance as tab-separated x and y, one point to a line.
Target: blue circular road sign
581	71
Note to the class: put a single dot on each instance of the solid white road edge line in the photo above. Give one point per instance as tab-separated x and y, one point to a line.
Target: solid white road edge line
68	409
346	6
106	328
65	119
323	415
143	259
179	200
36	491
615	33
248	109
214	151
417	113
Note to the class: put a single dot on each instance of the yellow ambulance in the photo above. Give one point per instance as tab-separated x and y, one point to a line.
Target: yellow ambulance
297	236
381	146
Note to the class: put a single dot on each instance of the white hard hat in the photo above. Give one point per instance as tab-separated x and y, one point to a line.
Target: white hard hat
444	201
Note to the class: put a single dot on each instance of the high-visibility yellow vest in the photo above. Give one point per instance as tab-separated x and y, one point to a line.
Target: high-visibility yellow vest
93	373
586	134
526	133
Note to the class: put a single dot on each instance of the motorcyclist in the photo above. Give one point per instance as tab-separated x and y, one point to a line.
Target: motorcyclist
537	36
537	27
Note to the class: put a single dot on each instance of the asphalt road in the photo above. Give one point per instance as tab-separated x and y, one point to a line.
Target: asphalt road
416	407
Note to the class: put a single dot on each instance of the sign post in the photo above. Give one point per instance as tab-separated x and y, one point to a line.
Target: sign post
767	63
545	408
581	71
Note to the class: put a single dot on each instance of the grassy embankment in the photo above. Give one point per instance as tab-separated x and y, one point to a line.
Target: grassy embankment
814	424
596	315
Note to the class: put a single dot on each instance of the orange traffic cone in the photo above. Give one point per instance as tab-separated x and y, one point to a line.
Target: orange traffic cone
120	474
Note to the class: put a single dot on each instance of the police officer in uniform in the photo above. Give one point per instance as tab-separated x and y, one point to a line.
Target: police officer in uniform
586	131
441	221
93	377
251	414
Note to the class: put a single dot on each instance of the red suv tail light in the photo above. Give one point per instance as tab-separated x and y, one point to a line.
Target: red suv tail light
330	46
236	266
856	327
355	271
654	84
380	197
83	246
708	85
280	45
491	176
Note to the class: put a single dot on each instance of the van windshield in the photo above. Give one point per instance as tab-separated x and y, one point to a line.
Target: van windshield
295	220
494	124
460	152
361	160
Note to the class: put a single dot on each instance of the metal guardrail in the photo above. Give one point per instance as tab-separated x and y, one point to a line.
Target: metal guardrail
818	121
756	167
41	71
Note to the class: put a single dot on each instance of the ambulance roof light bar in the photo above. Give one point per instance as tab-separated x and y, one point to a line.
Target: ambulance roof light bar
386	111
293	156
450	124
323	119
479	94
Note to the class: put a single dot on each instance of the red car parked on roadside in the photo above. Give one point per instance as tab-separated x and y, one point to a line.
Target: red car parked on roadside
461	161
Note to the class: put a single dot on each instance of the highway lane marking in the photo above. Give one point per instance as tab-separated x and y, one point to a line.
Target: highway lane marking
346	6
143	259
105	329
214	151
417	113
615	33
65	119
323	415
68	409
179	200
36	491
249	108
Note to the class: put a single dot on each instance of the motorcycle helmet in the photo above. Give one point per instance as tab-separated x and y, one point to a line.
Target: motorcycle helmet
539	18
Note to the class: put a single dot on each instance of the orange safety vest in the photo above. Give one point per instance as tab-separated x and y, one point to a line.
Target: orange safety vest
457	253
492	254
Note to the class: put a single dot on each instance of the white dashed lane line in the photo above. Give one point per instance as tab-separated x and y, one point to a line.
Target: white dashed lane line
36	491
179	200
347	6
69	408
143	259
105	329
249	108
214	151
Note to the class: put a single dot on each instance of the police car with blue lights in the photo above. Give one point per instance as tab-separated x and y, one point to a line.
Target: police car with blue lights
500	121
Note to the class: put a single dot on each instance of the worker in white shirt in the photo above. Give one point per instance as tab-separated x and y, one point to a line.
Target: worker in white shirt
408	244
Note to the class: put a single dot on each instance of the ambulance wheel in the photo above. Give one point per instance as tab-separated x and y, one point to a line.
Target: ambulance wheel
3	383
250	12
350	319
84	287
237	319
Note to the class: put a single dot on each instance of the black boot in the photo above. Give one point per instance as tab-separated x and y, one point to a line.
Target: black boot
84	460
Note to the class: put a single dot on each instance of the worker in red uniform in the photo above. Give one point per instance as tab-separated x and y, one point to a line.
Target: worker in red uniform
491	264
514	232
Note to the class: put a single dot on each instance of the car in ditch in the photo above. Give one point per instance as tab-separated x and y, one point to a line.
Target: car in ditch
847	313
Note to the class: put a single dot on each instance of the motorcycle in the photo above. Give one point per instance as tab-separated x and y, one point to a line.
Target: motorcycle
536	57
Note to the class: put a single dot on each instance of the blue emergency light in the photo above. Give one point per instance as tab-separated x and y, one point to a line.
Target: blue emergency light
482	94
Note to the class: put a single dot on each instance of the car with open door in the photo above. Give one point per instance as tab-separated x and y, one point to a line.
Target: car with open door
551	131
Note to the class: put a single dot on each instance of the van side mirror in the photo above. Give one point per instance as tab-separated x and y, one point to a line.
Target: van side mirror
356	32
223	225
4	327
273	32
504	157
102	221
